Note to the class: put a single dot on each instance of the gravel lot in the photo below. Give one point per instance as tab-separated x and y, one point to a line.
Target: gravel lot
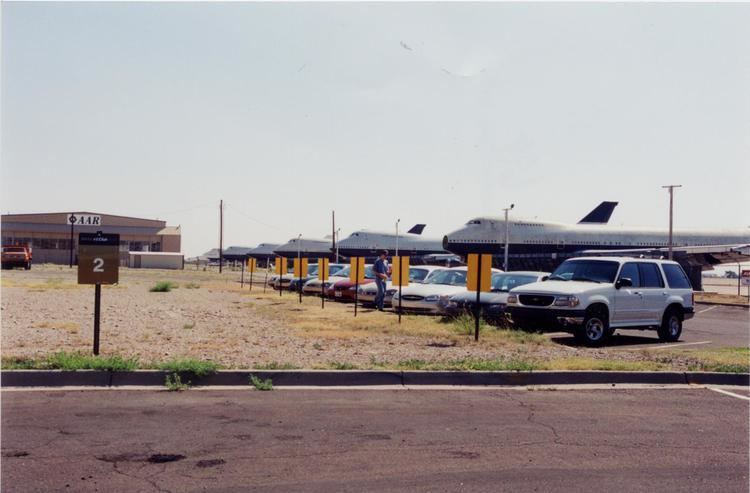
210	317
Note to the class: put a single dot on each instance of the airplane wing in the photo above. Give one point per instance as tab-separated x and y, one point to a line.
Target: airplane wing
705	256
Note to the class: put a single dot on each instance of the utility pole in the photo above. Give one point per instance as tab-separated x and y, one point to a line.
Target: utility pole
505	262
221	234
671	202
333	235
336	235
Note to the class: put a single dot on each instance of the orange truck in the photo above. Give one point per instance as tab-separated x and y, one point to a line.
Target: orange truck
16	256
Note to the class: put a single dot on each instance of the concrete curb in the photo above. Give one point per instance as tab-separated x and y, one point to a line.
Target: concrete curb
325	378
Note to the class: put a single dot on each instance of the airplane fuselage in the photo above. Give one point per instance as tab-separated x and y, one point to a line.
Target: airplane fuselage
487	235
367	243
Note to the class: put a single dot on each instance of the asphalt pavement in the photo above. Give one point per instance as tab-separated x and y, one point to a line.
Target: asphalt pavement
713	326
375	440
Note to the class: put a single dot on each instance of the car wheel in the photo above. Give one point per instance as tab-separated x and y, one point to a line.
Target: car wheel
671	326
595	329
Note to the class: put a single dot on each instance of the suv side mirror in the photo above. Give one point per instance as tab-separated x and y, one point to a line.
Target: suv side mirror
623	282
545	278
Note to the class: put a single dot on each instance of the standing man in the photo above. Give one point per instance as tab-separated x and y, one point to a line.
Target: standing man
381	276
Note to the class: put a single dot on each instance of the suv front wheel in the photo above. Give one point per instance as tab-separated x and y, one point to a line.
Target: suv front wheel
595	329
671	326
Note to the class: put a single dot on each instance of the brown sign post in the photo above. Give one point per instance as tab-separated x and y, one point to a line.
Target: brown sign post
98	263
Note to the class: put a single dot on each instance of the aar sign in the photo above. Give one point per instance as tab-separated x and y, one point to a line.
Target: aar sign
84	220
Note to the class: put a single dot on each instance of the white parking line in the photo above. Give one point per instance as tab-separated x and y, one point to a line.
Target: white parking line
730	393
664	347
681	344
709	308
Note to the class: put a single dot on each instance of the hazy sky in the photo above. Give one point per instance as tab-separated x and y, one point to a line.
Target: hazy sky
431	112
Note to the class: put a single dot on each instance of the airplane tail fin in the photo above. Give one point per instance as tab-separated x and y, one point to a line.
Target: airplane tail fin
600	215
417	229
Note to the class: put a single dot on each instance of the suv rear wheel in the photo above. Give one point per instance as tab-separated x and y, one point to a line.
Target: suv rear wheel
595	329
671	326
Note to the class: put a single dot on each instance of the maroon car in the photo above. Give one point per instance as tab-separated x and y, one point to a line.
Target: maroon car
345	290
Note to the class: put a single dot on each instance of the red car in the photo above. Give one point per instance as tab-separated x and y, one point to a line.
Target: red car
345	290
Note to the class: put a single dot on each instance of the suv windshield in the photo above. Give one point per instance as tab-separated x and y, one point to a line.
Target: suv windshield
450	277
586	270
506	282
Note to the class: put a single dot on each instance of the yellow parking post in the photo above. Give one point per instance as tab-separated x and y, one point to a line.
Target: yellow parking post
300	271
479	279
400	277
280	270
251	265
357	275
323	276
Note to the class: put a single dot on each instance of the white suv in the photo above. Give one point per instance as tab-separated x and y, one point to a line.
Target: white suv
593	296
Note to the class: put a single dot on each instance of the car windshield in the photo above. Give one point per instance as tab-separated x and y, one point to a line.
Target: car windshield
369	273
343	272
506	282
417	275
333	269
312	269
450	277
586	270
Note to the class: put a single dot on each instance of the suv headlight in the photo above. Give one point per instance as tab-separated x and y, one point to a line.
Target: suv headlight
567	301
512	299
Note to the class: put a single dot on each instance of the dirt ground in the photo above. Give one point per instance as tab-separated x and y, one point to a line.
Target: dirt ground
209	316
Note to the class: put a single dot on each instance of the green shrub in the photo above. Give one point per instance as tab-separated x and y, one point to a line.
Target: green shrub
81	361
174	383
337	365
20	364
275	365
466	325
259	384
163	287
195	367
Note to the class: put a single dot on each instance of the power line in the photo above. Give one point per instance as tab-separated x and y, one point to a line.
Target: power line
247	216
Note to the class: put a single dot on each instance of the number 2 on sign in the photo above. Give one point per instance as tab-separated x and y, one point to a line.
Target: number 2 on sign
98	265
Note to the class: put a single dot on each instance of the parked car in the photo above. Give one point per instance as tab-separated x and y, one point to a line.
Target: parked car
312	273
492	304
16	256
593	296
417	274
313	285
345	290
433	295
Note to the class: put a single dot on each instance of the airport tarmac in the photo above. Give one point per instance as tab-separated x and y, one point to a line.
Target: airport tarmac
687	439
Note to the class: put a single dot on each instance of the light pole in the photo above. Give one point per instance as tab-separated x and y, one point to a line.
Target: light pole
505	262
397	221
671	196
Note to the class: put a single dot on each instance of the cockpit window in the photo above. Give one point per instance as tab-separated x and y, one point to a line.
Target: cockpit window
474	221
